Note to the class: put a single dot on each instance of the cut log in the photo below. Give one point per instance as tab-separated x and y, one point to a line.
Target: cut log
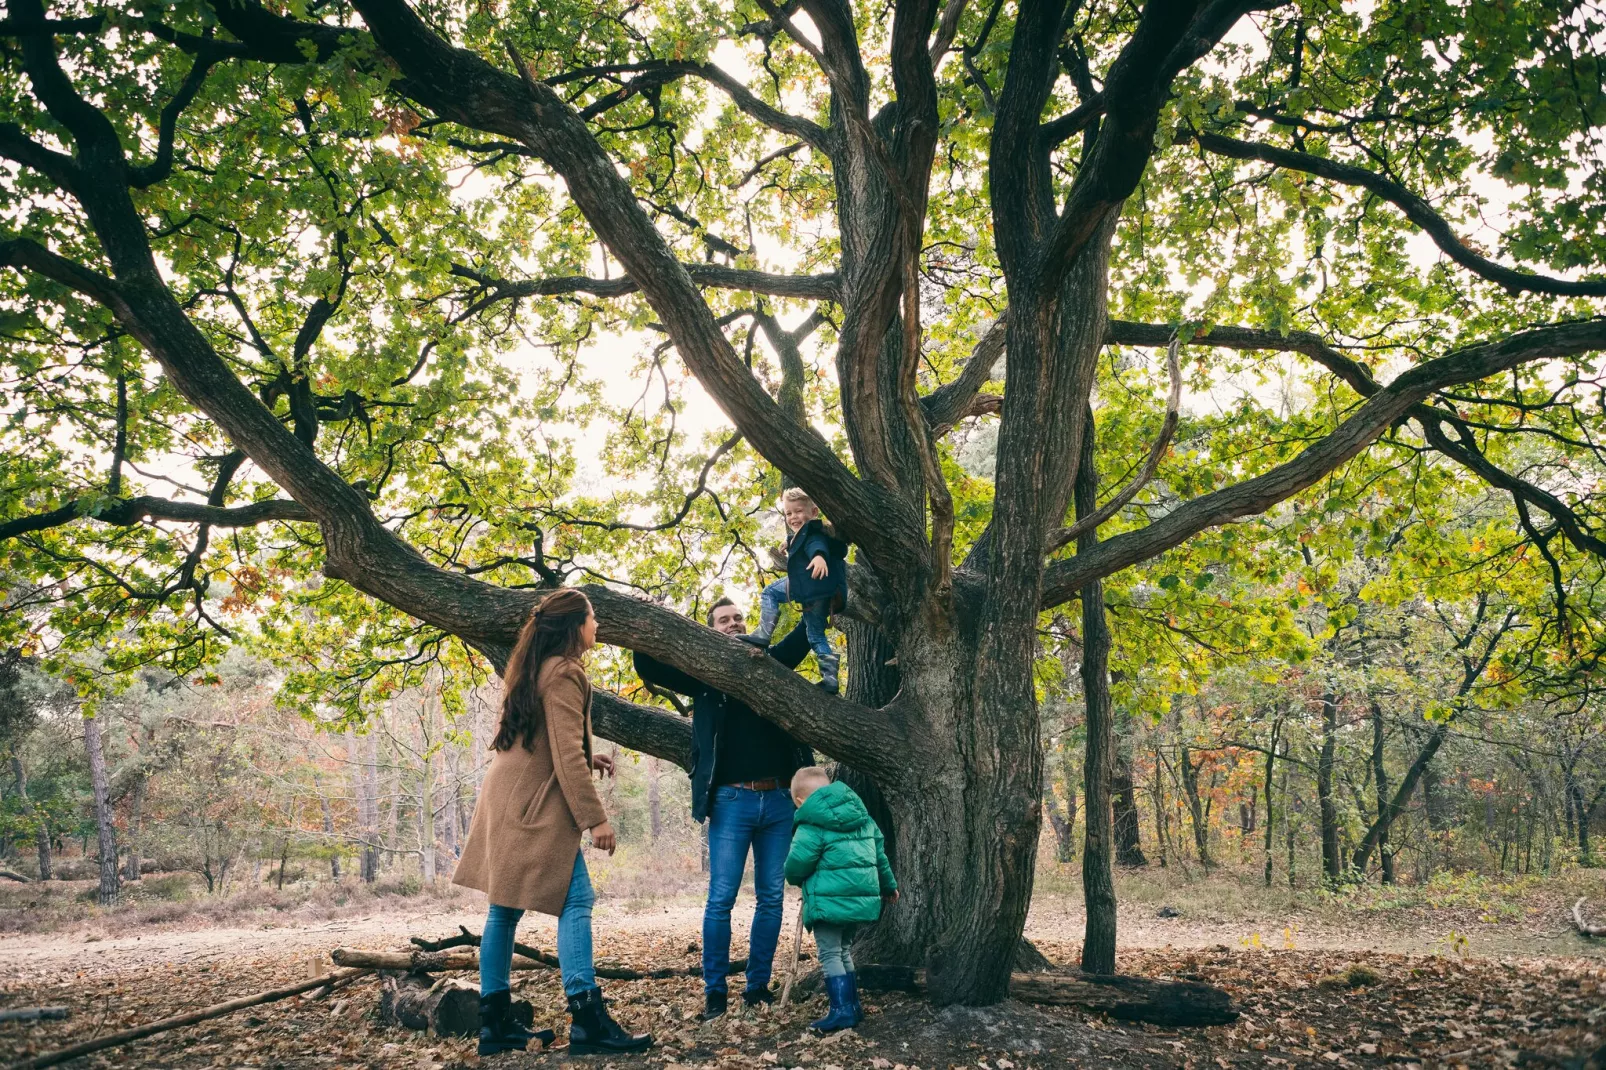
1583	927
445	1008
34	1014
1121	996
113	1040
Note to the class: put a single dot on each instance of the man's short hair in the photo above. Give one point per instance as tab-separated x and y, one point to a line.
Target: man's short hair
810	775
716	607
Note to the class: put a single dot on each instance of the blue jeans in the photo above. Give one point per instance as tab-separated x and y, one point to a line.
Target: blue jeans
836	948
574	939
743	819
816	615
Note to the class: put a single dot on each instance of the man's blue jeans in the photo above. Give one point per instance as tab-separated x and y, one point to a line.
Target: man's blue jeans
743	819
574	939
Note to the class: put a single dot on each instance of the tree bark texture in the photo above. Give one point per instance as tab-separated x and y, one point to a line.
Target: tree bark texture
1124	799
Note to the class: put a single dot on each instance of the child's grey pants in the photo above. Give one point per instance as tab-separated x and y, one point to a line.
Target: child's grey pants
835	943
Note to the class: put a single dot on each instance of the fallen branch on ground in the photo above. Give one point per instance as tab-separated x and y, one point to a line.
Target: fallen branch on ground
113	1040
1583	927
34	1014
465	938
13	876
1130	999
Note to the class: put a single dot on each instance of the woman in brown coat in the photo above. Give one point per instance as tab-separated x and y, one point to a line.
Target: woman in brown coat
523	847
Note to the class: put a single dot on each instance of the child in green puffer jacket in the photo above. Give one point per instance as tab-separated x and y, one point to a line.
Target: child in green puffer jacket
839	859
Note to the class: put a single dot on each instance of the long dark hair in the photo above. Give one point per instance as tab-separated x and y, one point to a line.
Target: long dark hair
553	631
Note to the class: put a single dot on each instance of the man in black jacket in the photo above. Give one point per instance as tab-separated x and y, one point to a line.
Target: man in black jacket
742	768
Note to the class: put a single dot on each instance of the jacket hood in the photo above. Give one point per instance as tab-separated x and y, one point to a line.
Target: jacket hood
835	807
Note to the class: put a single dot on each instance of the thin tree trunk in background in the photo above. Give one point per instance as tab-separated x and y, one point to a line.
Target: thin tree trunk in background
449	801
1271	823
41	835
1291	810
1332	860
1098	877
1190	785
1380	783
1064	845
655	816
370	816
329	834
105	833
136	807
1124	801
1162	838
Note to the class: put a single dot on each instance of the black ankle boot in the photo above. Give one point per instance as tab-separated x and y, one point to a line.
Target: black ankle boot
593	1030
498	1031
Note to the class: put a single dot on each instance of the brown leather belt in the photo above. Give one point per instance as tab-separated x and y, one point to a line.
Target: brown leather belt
769	784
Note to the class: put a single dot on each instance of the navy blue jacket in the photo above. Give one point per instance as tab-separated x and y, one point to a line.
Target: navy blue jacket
708	709
807	543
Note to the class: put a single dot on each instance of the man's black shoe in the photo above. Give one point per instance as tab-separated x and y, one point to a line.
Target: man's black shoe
756	996
713	1006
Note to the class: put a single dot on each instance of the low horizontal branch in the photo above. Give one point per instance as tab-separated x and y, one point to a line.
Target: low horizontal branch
825	287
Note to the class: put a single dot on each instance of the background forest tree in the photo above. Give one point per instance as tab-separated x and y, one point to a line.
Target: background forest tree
319	314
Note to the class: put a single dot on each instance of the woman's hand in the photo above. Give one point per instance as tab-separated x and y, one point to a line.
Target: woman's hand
890	898
602	837
602	764
819	568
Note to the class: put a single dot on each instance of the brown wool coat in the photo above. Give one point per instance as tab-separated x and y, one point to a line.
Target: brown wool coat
535	801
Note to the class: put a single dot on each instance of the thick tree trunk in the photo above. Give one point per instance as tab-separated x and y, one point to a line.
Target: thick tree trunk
1332	860
1098	880
106	834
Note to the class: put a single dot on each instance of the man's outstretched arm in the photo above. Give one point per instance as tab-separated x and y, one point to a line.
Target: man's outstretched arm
652	671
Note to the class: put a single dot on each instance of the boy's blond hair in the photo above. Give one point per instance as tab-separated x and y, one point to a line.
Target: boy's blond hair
808	780
798	494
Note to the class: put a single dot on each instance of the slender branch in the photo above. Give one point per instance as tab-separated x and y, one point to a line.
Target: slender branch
802	287
952	402
162	166
1151	464
1417	210
1386	407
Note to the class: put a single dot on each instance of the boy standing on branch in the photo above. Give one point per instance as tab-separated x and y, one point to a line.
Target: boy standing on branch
741	767
816	578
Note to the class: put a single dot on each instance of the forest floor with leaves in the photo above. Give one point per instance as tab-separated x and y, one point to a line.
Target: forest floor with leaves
1349	984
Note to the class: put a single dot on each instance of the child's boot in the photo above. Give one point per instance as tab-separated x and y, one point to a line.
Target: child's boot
829	664
840	1016
853	998
760	638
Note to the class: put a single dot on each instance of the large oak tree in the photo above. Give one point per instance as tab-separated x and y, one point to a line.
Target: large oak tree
268	202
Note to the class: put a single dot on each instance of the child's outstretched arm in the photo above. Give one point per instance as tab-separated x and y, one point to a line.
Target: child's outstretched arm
807	845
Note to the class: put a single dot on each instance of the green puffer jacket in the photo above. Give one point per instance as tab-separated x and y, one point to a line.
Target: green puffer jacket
839	858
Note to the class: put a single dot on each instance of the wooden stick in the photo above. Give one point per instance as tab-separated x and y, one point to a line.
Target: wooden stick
797	953
113	1040
1584	928
422	961
34	1014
